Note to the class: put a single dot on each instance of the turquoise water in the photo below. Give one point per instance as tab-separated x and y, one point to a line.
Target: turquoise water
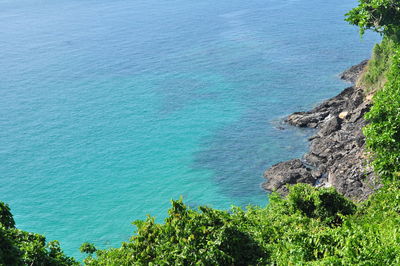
109	109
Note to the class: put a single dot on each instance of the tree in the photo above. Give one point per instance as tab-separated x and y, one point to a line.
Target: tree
6	218
18	247
382	16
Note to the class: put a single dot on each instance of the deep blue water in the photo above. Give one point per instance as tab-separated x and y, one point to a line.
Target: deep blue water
109	109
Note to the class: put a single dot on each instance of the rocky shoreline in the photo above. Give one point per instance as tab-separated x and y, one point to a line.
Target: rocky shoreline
336	156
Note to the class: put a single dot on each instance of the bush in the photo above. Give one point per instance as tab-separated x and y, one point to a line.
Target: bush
311	226
6	218
381	16
325	204
375	75
188	237
383	132
18	247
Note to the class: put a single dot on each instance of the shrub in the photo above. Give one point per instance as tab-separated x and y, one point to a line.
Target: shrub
325	204
381	16
188	237
18	247
375	75
6	218
383	132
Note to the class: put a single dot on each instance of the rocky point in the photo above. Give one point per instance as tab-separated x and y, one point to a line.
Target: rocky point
336	156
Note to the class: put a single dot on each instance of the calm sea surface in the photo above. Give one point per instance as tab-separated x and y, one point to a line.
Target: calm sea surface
109	109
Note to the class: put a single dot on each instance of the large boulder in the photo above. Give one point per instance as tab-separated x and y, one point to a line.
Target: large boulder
289	172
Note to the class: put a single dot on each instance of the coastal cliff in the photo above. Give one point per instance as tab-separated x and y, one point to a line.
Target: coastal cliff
336	157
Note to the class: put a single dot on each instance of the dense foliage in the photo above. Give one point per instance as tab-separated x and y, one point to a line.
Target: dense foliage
18	247
310	226
382	16
383	132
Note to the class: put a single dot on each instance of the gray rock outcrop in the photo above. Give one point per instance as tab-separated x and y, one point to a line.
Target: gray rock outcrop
351	75
336	156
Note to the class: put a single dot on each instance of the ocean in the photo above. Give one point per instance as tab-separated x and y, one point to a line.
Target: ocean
110	109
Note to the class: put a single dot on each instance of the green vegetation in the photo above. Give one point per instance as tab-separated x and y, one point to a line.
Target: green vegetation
383	74
18	247
374	78
381	16
383	132
309	227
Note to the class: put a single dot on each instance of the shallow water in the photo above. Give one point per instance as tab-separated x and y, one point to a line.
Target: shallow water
109	109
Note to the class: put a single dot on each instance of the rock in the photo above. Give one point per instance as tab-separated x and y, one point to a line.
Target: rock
289	172
336	156
322	146
313	160
347	99
357	98
359	112
303	119
333	124
316	173
343	115
352	74
313	137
